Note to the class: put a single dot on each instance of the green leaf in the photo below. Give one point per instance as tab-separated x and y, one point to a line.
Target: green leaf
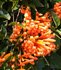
24	2
42	10
58	42
57	0
1	3
3	32
32	6
46	4
57	36
3	0
55	19
3	29
59	31
4	14
15	4
12	23
37	3
39	64
7	6
3	46
55	61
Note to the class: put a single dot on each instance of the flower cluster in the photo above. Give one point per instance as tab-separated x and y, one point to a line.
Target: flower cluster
57	9
35	36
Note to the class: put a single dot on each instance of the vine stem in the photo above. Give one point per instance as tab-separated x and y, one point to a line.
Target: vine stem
29	68
13	17
17	15
46	61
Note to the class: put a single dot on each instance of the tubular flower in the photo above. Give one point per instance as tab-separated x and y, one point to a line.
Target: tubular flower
35	37
16	32
57	9
2	59
26	12
22	9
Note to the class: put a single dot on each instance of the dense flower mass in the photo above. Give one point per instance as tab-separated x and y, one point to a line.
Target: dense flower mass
35	36
57	9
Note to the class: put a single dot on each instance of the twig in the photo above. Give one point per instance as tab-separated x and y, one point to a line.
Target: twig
13	17
17	15
29	68
46	61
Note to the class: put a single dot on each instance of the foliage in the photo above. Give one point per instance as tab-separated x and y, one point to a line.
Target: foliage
10	15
